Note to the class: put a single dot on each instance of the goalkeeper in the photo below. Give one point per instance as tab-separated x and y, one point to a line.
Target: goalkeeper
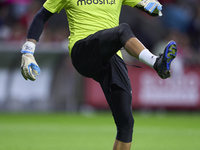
94	43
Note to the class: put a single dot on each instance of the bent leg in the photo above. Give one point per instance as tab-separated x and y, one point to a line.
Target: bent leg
134	47
112	40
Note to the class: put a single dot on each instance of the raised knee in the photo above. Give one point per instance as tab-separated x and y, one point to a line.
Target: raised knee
125	33
123	28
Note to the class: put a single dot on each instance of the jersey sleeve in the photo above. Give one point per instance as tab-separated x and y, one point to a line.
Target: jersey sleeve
131	3
54	6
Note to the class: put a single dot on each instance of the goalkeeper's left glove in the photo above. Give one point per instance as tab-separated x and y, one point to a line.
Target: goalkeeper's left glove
153	7
28	63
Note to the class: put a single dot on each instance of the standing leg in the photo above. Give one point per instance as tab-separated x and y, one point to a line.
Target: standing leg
118	145
121	107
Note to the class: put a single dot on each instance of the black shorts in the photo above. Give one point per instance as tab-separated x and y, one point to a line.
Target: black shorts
87	61
95	57
86	56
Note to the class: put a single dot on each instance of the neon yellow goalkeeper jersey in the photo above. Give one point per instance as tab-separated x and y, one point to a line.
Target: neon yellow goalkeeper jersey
86	17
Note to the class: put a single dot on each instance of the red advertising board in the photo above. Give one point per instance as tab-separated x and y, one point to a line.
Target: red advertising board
182	90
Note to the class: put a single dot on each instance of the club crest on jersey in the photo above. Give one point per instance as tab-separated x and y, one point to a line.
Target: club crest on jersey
89	2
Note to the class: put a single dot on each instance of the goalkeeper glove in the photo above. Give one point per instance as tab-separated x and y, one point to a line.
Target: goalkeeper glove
29	66
151	6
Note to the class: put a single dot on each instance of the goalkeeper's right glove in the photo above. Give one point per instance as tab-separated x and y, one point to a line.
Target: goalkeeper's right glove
153	7
28	63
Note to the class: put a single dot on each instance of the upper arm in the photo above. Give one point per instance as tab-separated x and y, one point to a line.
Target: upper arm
54	6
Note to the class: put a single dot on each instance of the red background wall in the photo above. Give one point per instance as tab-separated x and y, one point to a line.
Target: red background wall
181	91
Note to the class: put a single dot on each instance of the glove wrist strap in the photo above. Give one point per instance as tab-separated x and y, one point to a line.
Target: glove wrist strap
28	47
